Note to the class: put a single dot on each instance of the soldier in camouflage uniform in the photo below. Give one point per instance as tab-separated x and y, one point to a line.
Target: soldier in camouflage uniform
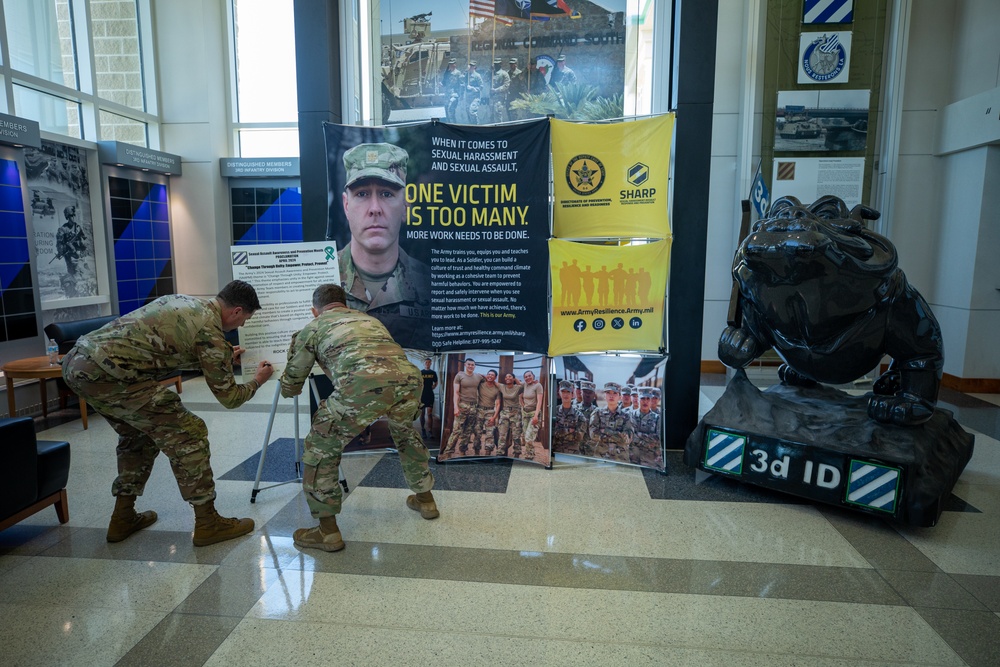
510	417
500	85
569	426
453	83
465	398
117	368
611	430
647	448
474	91
587	407
626	405
531	412
379	277
487	413
654	405
372	378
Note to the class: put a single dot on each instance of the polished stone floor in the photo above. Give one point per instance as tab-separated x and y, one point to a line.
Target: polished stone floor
585	564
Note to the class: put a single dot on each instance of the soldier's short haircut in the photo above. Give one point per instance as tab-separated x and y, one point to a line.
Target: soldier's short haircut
328	293
239	294
468	359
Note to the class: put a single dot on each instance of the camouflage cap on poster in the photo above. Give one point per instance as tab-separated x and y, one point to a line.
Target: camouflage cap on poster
561	59
612	386
566	385
383	161
513	61
452	61
588	386
656	392
628	389
647	392
472	63
497	61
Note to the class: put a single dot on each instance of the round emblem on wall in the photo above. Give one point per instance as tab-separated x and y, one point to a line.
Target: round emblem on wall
824	59
585	174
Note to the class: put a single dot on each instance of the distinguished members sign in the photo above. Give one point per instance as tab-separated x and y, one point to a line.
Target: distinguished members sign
611	179
472	235
607	297
284	276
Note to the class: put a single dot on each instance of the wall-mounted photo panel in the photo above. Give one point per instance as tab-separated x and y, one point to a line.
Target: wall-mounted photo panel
610	407
809	178
428	422
495	407
821	120
607	297
59	197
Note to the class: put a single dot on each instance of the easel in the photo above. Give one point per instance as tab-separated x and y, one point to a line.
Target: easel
257	488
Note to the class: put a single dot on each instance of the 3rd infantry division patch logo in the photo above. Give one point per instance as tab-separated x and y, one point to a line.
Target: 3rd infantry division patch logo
585	174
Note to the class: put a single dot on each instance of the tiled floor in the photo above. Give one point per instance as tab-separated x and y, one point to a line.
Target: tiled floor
585	564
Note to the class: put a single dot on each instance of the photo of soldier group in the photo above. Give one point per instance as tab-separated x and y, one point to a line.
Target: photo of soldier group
495	407
60	215
610	407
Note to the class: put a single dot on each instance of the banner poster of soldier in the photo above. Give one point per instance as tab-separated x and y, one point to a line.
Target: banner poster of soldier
59	196
441	231
609	407
495	407
479	62
611	179
428	420
608	297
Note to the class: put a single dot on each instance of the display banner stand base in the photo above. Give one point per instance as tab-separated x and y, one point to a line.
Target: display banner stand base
819	443
257	488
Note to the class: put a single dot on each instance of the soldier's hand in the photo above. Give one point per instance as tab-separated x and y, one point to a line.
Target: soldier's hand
237	352
264	372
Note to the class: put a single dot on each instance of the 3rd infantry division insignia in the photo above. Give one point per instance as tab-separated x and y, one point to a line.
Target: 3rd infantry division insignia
585	174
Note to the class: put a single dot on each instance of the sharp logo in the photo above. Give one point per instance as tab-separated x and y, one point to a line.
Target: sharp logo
638	174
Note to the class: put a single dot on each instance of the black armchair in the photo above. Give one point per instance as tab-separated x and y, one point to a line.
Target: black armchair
33	475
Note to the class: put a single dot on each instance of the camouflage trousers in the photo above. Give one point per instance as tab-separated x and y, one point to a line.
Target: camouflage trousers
510	422
565	443
646	450
463	430
341	417
487	431
149	419
530	430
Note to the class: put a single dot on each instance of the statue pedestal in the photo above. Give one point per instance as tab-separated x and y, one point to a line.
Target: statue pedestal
819	443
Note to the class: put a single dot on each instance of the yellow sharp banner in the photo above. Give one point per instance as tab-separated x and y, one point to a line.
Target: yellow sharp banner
607	297
611	179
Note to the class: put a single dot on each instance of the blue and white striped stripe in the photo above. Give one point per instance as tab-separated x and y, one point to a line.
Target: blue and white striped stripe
725	451
873	486
828	11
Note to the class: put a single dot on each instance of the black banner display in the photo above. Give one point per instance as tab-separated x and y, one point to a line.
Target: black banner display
462	263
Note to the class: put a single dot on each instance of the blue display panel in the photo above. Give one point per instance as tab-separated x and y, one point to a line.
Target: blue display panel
140	226
17	299
266	215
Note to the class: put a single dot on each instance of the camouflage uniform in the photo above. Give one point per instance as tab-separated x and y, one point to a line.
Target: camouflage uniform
473	93
402	304
463	427
510	421
587	410
485	411
646	447
568	430
611	432
501	84
69	246
371	378
532	396
116	370
452	82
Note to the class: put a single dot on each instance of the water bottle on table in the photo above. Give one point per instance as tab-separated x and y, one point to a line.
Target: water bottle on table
52	349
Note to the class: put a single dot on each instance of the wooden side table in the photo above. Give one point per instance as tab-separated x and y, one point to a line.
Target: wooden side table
40	369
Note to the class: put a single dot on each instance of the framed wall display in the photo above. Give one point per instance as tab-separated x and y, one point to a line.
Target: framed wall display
610	407
495	407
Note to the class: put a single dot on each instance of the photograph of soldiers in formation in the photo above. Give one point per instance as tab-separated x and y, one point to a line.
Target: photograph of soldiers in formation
60	214
610	408
495	406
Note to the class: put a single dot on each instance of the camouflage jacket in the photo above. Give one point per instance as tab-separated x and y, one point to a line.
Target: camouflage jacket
354	350
647	427
402	305
569	425
611	428
173	333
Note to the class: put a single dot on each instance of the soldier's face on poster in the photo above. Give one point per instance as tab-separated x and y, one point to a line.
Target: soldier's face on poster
375	211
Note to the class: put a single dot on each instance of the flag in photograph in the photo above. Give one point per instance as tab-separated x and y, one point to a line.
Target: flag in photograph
484	8
828	11
541	9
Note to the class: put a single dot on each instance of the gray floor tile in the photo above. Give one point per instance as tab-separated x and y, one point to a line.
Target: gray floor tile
878	542
230	591
180	640
985	588
931	589
164	546
974	635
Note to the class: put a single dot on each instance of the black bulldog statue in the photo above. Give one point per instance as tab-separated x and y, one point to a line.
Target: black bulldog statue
827	295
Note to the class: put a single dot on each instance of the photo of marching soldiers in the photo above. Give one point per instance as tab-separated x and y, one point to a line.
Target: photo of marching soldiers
495	407
60	216
610	407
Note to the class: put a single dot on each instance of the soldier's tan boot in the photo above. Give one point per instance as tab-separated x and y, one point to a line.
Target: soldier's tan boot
210	528
423	503
325	536
125	520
